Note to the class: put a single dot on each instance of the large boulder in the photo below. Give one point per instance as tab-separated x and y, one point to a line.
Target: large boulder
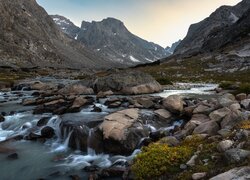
102	94
227	99
76	89
219	114
241	96
231	119
224	145
199	119
163	114
126	82
236	155
210	128
245	104
174	104
47	132
203	109
239	173
78	103
78	134
146	102
122	131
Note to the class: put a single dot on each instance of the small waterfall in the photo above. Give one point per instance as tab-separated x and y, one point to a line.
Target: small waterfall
66	142
90	151
64	146
152	128
55	122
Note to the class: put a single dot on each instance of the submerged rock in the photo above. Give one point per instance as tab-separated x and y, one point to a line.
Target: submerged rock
43	121
13	156
47	132
1	118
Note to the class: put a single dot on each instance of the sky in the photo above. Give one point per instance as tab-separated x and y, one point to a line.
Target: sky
160	21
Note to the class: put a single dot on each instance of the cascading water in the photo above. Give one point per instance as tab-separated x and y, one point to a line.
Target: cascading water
90	151
38	159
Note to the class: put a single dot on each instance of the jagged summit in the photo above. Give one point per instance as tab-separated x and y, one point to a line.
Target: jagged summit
111	39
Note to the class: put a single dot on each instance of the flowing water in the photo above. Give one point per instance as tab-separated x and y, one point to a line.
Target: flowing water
53	159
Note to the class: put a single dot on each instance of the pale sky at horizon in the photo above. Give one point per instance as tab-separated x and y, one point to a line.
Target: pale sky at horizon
160	21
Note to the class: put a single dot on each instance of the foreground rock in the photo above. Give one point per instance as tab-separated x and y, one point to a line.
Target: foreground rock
174	104
236	155
210	128
240	173
122	131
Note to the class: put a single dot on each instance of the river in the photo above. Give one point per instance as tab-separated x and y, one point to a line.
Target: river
53	159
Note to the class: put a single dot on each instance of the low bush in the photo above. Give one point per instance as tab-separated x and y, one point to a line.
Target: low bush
159	160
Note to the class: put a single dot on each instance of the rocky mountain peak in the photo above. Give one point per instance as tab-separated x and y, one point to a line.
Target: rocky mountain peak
30	38
111	39
200	33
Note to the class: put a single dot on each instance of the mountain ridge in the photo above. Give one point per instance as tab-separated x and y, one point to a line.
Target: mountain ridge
29	38
111	39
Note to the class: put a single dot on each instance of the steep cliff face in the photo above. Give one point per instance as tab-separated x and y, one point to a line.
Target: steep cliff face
30	38
212	33
111	39
66	26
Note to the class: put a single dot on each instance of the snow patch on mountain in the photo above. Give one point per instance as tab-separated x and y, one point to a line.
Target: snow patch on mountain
132	58
233	18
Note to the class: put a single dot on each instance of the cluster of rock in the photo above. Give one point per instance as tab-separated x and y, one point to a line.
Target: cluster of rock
123	82
139	120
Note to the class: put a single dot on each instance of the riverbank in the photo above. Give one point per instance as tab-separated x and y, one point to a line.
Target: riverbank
69	132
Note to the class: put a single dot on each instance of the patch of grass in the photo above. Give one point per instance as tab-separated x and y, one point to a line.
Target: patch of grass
194	69
244	88
159	160
244	125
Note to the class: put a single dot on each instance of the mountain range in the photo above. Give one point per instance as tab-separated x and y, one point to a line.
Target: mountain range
30	38
226	26
111	39
222	40
216	48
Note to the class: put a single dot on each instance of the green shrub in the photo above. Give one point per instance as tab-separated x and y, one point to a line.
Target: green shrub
159	159
226	85
244	88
